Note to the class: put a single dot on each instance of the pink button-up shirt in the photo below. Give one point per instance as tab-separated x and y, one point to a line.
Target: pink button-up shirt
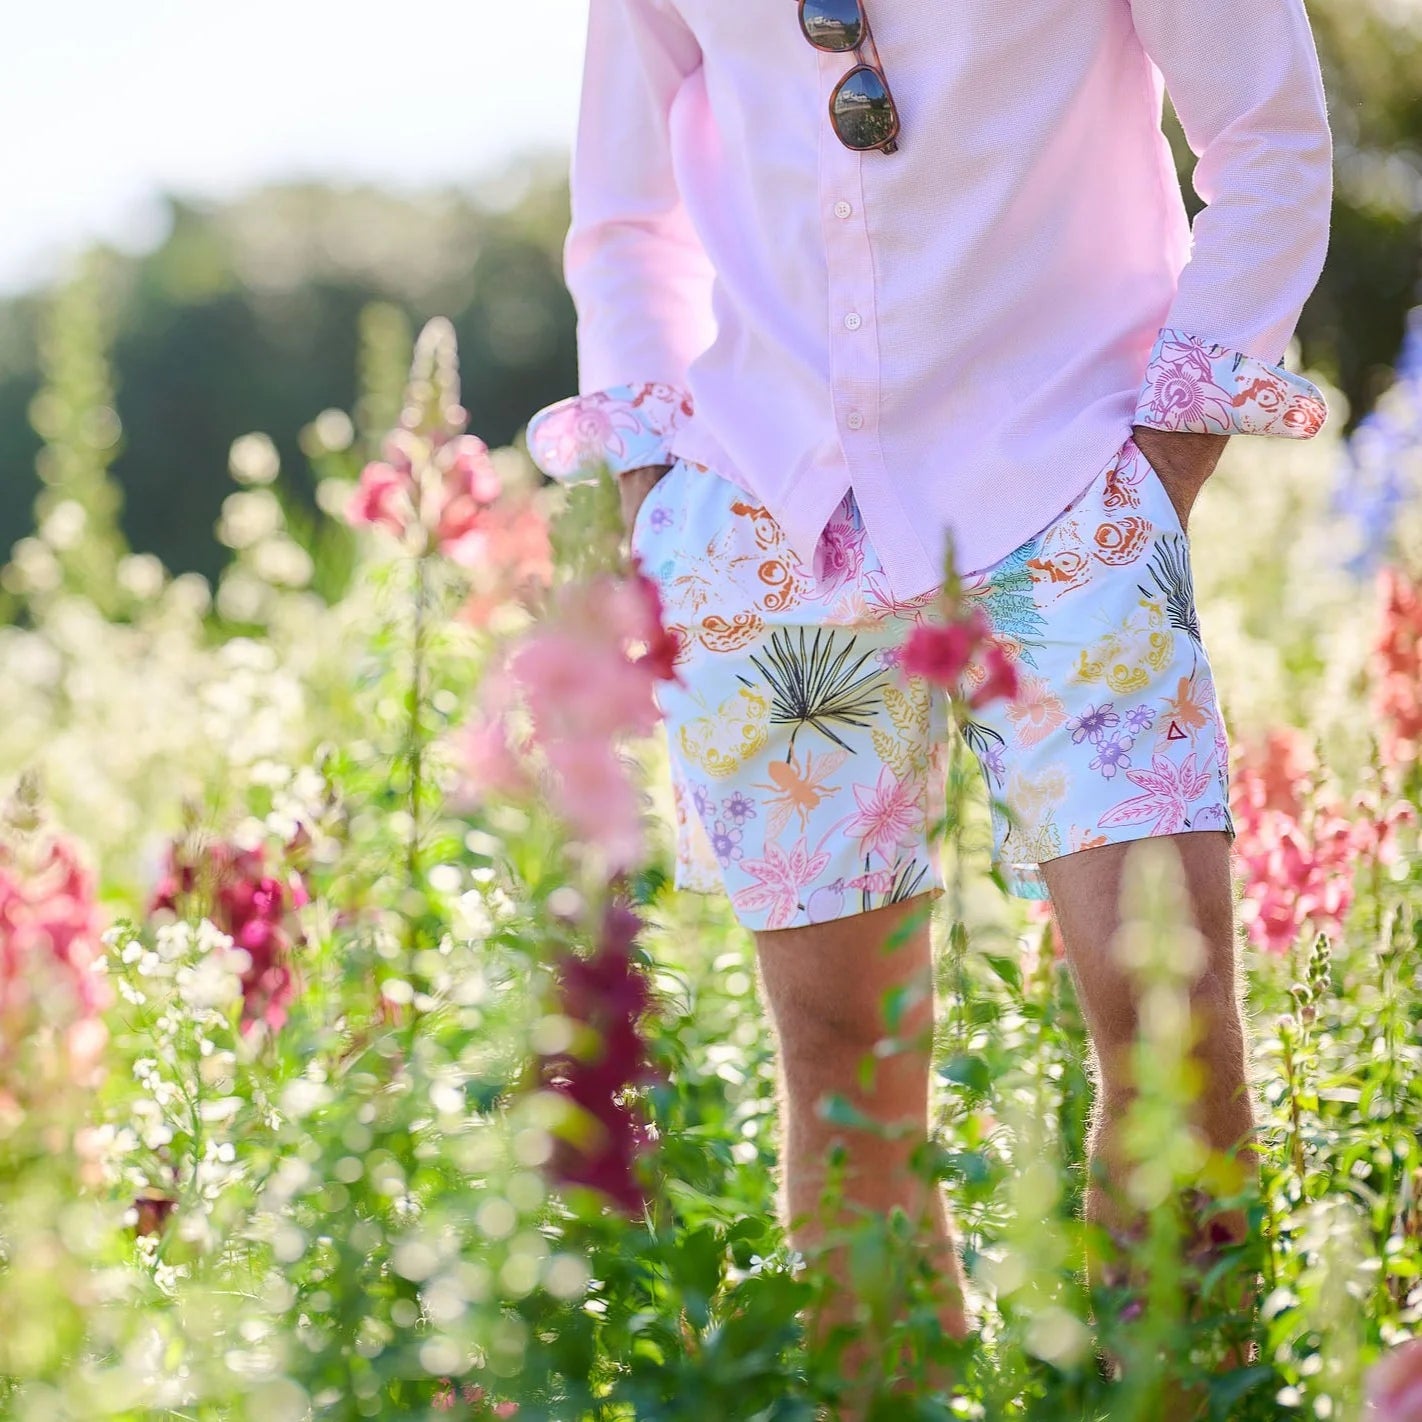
963	331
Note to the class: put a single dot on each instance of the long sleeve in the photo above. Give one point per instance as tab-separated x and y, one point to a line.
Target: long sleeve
639	278
1245	82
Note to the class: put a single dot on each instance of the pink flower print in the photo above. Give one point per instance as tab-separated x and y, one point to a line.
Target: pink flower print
1304	417
1167	792
1036	711
584	432
839	555
1196	386
888	815
1112	754
782	877
1180	393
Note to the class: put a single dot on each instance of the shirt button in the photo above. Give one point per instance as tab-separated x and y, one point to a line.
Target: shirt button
854	420
842	209
853	321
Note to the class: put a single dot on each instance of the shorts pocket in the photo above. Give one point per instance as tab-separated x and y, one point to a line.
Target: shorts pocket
1169	515
639	518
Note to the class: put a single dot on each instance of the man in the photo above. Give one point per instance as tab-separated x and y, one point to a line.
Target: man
844	295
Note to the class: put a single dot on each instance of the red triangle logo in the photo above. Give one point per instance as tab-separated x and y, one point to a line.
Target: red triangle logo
1175	733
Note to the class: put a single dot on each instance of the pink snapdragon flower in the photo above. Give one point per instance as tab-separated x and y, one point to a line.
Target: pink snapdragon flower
50	951
1299	845
251	903
435	487
1397	669
961	647
1394	1385
584	678
507	553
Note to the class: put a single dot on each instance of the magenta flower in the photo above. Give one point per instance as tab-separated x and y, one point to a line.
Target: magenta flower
1394	1385
253	906
606	994
940	652
1000	682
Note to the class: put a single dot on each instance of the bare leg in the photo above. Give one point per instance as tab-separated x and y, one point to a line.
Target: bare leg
825	985
1085	889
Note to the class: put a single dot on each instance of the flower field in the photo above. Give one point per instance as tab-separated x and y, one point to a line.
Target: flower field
358	1061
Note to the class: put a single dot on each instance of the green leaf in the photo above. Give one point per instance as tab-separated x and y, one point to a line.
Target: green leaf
1008	969
1226	1391
969	1070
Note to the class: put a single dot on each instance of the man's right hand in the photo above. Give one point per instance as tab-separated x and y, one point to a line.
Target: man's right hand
633	487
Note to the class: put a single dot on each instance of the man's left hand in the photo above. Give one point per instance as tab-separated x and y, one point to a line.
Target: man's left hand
1183	462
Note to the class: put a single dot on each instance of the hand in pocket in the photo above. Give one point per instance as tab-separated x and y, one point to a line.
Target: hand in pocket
1182	462
633	488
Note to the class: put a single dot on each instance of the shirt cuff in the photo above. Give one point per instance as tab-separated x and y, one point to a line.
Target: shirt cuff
620	429
1196	386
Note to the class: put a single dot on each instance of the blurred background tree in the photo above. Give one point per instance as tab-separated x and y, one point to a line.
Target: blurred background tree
247	316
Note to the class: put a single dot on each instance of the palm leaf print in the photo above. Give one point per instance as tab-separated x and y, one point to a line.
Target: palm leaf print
982	740
892	886
1010	603
1170	573
908	878
820	683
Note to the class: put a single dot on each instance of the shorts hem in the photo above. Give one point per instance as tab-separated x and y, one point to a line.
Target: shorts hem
1026	881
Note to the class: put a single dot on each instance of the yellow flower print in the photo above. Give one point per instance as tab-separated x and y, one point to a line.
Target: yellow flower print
723	741
1034	798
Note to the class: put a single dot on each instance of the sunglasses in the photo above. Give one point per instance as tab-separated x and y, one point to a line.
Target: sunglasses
861	108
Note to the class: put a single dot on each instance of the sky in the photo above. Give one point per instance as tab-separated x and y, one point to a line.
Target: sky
105	106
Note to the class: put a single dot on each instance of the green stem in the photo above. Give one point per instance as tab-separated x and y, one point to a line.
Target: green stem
1295	1118
415	751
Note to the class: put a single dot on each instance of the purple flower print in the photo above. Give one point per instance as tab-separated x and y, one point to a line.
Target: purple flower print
1112	754
1093	723
1139	718
738	808
660	518
701	798
991	758
725	843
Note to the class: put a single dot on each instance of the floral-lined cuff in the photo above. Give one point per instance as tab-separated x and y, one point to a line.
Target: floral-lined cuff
621	428
1202	388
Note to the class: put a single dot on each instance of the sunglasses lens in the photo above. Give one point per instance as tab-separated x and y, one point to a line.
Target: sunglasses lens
833	25
863	115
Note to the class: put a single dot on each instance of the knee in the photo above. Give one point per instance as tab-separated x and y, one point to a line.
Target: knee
1219	1026
841	1028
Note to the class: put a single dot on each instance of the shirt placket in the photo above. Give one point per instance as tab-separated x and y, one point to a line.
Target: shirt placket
853	317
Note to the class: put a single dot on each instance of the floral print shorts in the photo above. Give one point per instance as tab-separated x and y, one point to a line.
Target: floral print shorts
808	770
